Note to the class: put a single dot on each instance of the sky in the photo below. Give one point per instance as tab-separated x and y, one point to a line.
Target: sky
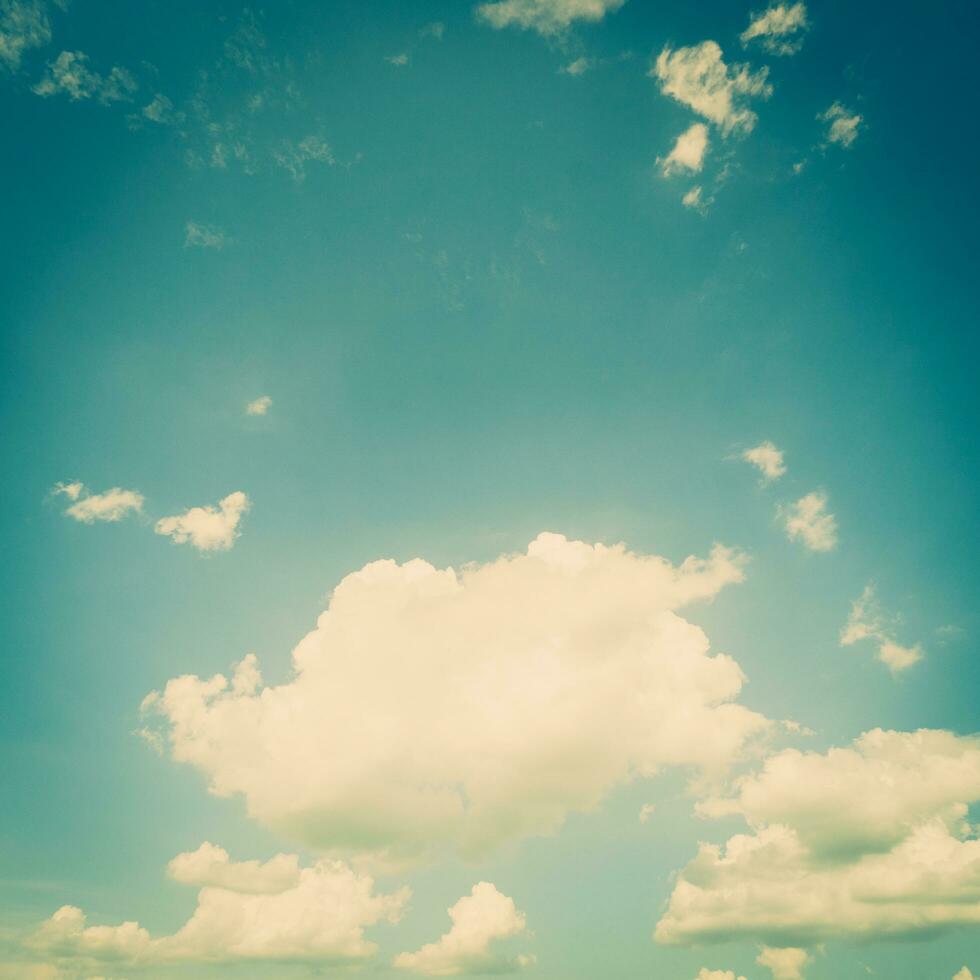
491	489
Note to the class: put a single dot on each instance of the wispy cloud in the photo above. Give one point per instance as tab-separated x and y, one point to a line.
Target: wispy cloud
547	17
197	235
808	521
767	459
70	74
843	125
866	622
24	25
110	505
780	30
688	152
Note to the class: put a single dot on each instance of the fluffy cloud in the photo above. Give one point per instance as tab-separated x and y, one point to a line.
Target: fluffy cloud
260	406
111	505
784	964
865	622
197	235
480	919
694	199
207	528
865	842
705	974
577	67
547	17
69	73
780	29
688	152
843	125
211	866
963	974
807	520
24	25
434	708
318	915
767	459
699	77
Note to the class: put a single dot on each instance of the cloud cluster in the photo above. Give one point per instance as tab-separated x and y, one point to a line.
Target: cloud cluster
207	528
843	125
110	505
70	74
314	913
547	17
865	622
780	30
24	25
808	521
436	709
699	77
865	842
480	921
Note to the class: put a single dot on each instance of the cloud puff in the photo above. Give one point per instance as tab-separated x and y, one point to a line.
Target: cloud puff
318	916
688	152
69	73
436	709
204	236
398	60
865	842
260	406
547	17
808	521
767	459
780	29
699	77
207	528
784	964
694	199
111	505
865	622
161	110
705	974
211	866
843	125
963	974
577	67
480	919
293	157
24	25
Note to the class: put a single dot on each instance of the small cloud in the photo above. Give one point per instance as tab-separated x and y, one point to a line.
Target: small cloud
69	73
767	459
260	406
294	156
688	152
964	974
843	125
799	166
695	200
111	505
547	17
24	25
646	811
780	29
808	521
204	236
865	622
161	111
398	60
436	30
786	963
207	528
577	67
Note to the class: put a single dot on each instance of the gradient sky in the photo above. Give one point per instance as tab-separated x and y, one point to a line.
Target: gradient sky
448	244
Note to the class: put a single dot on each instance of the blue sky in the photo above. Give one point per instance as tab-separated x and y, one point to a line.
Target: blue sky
449	244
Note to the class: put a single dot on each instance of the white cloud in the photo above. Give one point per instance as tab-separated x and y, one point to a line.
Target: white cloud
207	528
863	842
24	25
577	67
785	963
694	199
688	152
434	709
780	29
865	622
111	505
294	157
398	60
319	915
963	974
705	974
480	919
767	459
161	110
69	73
547	17
698	77
807	520
260	406
211	866
844	125
204	236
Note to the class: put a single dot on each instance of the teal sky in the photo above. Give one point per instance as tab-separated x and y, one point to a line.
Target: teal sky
447	249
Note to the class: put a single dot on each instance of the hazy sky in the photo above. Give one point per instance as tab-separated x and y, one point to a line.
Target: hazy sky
371	371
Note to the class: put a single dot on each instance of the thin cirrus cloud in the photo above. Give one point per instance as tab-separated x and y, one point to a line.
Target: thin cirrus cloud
699	78
110	505
688	152
843	125
207	528
313	914
780	30
866	842
69	74
197	235
767	459
866	622
480	921
808	521
462	667
547	17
